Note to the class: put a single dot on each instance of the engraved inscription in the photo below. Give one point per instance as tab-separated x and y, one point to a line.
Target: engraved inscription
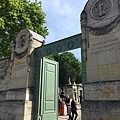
101	9
105	46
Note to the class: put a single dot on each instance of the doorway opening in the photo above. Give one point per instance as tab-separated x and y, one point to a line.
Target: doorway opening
70	80
46	76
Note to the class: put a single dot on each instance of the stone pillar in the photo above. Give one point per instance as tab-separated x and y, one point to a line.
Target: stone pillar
84	35
17	78
101	89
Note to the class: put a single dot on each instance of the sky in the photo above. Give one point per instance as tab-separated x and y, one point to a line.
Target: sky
63	19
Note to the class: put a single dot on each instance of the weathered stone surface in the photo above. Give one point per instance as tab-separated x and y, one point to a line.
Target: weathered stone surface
17	78
18	94
9	110
102	91
101	29
103	46
99	56
101	110
16	110
92	73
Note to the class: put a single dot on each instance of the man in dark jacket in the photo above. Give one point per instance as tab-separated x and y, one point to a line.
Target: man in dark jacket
74	110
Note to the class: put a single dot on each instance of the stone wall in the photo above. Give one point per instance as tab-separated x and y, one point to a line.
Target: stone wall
5	71
100	22
101	110
102	91
17	78
102	34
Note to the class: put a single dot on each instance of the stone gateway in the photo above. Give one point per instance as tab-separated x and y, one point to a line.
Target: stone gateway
29	82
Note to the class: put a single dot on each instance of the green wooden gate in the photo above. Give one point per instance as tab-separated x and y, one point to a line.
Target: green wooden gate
46	76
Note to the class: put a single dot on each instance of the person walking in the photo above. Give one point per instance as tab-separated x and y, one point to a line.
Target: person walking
73	110
80	97
67	101
59	104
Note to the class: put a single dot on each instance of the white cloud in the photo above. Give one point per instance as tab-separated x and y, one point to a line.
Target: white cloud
58	7
63	19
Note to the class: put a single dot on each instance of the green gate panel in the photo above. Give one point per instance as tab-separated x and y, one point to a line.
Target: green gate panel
48	90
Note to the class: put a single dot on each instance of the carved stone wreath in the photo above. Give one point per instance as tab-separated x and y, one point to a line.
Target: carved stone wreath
104	29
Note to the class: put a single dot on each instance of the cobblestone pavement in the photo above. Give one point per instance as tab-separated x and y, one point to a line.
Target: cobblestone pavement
65	117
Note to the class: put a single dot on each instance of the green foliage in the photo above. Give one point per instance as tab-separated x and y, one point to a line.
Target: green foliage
16	15
51	57
69	67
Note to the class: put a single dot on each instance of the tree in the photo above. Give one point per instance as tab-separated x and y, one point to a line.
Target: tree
16	15
69	67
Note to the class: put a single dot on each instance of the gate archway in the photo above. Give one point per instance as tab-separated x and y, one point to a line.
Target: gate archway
65	44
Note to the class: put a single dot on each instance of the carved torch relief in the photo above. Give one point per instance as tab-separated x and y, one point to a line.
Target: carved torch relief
101	9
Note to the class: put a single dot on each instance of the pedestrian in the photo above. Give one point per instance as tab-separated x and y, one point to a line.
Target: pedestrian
67	101
59	104
69	112
73	110
80	97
